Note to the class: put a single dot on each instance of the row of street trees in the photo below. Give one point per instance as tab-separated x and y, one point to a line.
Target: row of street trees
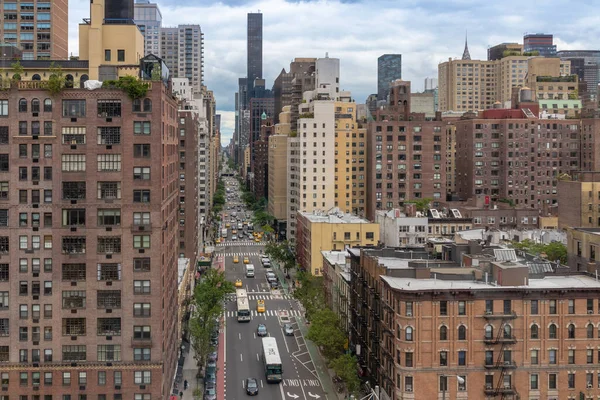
207	308
326	330
261	218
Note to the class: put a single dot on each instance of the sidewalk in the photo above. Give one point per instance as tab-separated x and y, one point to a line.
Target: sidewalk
189	373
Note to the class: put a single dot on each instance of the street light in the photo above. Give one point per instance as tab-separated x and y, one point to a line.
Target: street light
460	380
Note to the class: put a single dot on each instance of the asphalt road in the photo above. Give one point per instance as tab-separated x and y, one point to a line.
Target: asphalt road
243	347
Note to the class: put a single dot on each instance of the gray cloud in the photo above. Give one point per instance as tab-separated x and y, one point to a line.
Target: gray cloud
425	32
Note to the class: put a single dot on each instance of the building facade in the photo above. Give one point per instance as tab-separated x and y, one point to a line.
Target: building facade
182	49
254	42
261	159
336	284
148	18
39	29
543	43
389	68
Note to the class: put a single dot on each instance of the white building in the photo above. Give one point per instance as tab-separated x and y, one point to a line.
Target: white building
182	89
396	229
327	72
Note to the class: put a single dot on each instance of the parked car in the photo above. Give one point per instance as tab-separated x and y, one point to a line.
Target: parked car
210	392
251	386
214	356
288	330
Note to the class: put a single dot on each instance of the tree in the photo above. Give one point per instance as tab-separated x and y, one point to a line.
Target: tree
345	367
555	251
281	253
325	332
422	204
18	71
310	293
57	80
262	217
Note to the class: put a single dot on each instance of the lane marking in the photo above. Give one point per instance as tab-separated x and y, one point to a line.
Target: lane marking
257	358
241	357
240	336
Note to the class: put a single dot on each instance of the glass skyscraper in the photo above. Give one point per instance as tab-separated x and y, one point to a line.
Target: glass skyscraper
255	45
389	68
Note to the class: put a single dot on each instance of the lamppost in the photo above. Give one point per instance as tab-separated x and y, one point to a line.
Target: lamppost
460	380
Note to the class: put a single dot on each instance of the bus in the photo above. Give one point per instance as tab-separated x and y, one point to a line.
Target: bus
243	307
271	360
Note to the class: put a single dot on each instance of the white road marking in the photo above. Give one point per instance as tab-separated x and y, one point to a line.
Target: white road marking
243	384
261	382
257	358
241	357
240	336
285	341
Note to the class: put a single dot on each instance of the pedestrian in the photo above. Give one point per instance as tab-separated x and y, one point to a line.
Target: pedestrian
185	385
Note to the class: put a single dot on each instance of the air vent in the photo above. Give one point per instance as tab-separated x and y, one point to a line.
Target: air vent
35	114
36	321
142	387
36	274
109	364
73	364
35	137
73	147
109	338
36	182
73	201
109	256
118	387
108	147
109	311
73	119
73	283
108	283
109	229
36	388
81	387
141	228
73	229
73	311
142	251
108	119
35	229
36	343
36	160
73	337
36	297
36	206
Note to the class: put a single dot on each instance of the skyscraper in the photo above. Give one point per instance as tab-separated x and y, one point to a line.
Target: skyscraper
389	68
541	42
148	18
182	49
39	30
254	52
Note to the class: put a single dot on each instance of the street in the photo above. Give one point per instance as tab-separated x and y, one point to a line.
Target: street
243	347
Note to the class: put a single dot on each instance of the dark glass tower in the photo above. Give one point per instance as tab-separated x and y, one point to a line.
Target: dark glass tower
255	45
118	11
389	68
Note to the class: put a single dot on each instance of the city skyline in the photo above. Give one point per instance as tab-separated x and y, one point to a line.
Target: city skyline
356	43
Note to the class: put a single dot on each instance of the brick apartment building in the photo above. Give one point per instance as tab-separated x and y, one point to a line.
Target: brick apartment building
88	240
460	333
406	154
509	154
260	183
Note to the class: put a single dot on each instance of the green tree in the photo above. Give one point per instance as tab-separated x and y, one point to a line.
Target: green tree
555	251
422	204
325	332
310	292
57	80
17	70
262	217
281	253
345	367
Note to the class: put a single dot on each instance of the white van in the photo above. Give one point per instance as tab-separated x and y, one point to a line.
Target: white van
249	271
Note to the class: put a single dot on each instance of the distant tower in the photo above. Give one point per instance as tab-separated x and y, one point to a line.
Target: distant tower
254	63
466	55
389	68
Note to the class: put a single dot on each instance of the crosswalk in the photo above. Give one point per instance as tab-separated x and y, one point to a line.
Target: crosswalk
267	313
255	254
251	296
240	243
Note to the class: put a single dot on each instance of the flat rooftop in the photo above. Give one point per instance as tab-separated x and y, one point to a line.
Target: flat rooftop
595	231
335	257
334	218
549	283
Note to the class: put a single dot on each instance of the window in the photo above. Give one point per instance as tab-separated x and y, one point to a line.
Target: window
571	331
109	352
590	331
462	358
462	308
141	265
109	190
73	190
552	356
66	378
489	306
107	55
489	332
121	55
141	287
82	379
109	217
73	353
142	377
73	299
141	127
534	332
571	308
48	105
73	217
443	307
552	381
109	299
462	383
4	190
408	359
109	326
73	244
35	105
109	135
443	333
109	162
552	331
73	272
73	134
141	309
408	336
3	108
109	272
109	108
141	332
137	105
147	105
534	307
22	105
141	196
73	162
141	173
462	333
73	327
109	244
443	358
73	108
141	354
141	150
552	307
409	309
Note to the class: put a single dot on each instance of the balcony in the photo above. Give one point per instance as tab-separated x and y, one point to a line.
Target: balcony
492	316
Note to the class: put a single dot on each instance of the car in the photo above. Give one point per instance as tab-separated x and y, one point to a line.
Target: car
261	330
228	225
218	240
288	329
260	306
210	392
251	386
271	276
246	260
257	240
274	284
236	259
234	237
214	356
238	283
234	231
210	378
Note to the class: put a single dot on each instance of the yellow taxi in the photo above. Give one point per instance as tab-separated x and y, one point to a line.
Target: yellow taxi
218	240
234	232
236	259
238	283
228	225
255	234
257	239
260	306
246	260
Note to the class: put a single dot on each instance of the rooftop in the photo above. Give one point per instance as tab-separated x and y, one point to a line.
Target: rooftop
548	283
595	231
333	216
335	257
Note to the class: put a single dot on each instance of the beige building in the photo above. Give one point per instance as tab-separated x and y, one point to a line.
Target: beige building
579	200
472	85
423	103
346	129
278	171
319	231
246	166
583	249
104	46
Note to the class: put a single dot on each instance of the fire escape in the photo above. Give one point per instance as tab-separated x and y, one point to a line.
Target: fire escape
502	340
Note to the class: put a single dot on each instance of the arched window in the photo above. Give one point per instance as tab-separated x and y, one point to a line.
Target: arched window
590	331
69	81
137	105
22	105
84	78
552	331
408	335
443	333
462	333
535	331
571	331
35	105
147	105
507	331
36	77
48	105
489	332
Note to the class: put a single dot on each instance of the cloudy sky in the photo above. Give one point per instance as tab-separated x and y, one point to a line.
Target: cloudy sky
425	32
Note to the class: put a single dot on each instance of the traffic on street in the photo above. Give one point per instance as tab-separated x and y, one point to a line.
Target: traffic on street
265	353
